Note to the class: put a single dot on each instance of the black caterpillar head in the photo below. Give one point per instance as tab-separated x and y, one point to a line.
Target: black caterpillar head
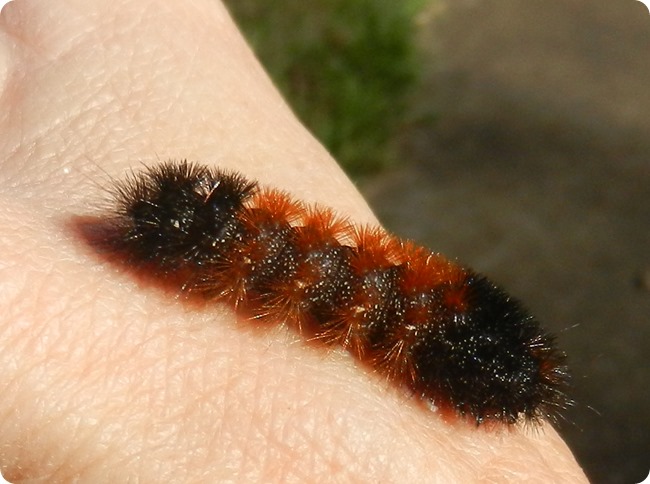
173	213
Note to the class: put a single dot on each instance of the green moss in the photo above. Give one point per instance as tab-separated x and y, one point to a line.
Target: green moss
346	67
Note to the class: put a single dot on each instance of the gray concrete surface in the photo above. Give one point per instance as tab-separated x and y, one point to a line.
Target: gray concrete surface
538	174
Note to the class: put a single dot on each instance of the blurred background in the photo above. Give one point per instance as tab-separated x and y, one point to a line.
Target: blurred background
513	135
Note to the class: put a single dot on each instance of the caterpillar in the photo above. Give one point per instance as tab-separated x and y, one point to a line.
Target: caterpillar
447	334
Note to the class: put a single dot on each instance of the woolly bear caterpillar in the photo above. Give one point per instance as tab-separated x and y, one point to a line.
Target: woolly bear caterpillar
444	332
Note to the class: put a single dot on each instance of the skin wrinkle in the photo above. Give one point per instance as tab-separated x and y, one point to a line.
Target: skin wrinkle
343	457
281	433
319	457
5	62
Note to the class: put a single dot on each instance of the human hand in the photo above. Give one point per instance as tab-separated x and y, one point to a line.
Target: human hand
105	379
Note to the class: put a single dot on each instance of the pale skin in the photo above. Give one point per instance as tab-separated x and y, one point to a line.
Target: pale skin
104	378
